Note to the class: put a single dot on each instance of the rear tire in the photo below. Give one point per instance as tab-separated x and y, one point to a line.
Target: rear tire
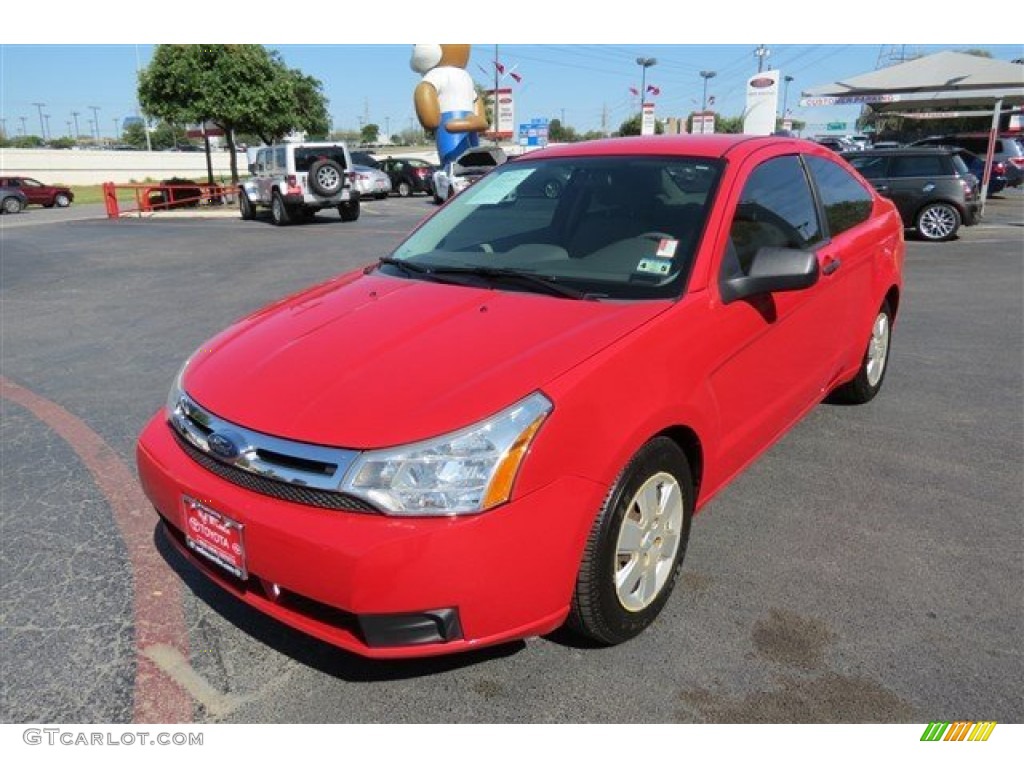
937	222
12	205
349	211
868	381
326	177
636	546
279	212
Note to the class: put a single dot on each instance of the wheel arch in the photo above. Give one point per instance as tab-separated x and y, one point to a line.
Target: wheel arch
892	296
690	444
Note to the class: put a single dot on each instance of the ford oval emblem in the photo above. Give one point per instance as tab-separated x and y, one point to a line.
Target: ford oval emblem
762	82
223	446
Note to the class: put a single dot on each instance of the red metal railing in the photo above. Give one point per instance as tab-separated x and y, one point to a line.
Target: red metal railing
147	199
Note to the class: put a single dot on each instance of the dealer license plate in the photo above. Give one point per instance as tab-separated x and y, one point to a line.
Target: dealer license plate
217	538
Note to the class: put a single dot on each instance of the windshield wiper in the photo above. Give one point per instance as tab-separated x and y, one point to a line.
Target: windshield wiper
549	285
417	270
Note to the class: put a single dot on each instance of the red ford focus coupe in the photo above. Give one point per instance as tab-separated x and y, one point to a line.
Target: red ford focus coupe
507	424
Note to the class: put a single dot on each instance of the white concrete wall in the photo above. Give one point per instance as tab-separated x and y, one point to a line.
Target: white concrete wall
93	166
90	166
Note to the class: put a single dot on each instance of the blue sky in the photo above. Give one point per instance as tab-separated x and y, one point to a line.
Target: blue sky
58	69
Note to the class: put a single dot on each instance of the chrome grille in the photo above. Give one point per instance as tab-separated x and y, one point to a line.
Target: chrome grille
286	469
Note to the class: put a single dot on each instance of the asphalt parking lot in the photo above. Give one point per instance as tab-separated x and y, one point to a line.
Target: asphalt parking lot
867	569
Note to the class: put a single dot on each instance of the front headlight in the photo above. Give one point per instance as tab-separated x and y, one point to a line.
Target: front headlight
464	472
176	391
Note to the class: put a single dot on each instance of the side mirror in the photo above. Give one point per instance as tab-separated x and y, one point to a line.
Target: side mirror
772	270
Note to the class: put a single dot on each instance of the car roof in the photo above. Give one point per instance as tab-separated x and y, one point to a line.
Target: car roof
886	151
708	145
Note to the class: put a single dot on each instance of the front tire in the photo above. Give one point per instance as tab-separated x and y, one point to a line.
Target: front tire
636	546
279	212
404	189
245	206
937	222
868	381
62	200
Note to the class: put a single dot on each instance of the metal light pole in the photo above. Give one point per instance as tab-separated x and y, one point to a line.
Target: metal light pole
117	134
24	130
78	133
707	74
39	105
762	53
46	122
785	93
644	64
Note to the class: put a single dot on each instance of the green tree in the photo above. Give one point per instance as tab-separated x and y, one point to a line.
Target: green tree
134	135
369	133
561	133
238	88
26	142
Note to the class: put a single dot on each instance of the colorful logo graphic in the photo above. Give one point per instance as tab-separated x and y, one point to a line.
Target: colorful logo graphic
961	730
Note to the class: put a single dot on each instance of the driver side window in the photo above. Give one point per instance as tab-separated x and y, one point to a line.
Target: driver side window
776	209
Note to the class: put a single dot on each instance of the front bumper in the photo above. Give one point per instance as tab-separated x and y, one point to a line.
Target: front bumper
380	586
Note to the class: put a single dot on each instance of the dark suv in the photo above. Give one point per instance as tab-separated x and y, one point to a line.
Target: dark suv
931	187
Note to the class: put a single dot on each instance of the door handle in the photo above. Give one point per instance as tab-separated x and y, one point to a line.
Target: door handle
883	188
831	265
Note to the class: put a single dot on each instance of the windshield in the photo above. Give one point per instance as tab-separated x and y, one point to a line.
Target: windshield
608	227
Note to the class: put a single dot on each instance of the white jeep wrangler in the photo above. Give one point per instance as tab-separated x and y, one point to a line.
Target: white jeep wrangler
298	179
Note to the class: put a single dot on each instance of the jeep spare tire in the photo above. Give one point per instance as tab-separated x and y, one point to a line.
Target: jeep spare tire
326	177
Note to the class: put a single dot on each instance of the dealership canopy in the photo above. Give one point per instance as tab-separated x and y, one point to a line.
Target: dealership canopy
940	81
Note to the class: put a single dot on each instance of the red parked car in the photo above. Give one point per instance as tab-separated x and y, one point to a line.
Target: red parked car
38	193
507	424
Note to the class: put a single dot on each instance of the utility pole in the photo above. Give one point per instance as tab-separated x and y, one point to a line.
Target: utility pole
494	96
96	122
46	122
117	134
563	116
387	130
39	105
762	53
77	132
604	118
24	130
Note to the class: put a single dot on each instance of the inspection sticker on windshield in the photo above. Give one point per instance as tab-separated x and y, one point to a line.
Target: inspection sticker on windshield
655	266
499	186
667	247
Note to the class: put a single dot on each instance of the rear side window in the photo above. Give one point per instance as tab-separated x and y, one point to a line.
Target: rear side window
870	167
844	199
776	209
908	166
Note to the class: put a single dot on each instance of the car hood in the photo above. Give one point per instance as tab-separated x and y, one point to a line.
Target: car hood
369	361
